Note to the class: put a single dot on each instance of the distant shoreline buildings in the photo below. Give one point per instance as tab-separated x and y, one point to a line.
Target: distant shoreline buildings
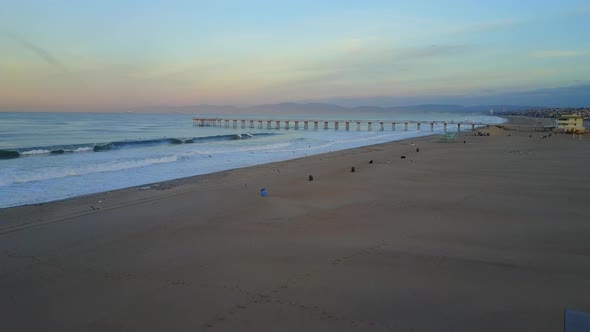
573	123
575	120
552	112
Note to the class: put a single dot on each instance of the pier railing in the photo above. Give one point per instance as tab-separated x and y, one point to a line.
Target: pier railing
347	125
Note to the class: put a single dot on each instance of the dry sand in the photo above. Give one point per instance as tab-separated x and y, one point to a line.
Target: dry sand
490	235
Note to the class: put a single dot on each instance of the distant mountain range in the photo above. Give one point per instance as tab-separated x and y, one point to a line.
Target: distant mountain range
323	108
512	101
577	95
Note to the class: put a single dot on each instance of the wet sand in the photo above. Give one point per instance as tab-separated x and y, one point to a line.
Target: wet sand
488	235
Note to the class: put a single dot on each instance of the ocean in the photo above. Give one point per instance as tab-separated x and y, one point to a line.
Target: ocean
63	155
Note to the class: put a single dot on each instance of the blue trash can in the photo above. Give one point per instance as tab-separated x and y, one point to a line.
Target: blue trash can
576	321
263	192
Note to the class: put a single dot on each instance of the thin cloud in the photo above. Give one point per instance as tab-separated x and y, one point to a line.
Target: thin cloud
364	67
583	10
558	54
435	51
387	58
42	53
490	26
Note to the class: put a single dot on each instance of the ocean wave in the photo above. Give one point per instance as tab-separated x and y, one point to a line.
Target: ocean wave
51	173
217	150
36	151
132	143
103	147
83	149
56	173
56	151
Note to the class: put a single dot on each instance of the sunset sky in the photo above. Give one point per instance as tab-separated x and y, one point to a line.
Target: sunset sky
112	54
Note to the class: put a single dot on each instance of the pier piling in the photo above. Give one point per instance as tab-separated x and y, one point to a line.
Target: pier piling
233	123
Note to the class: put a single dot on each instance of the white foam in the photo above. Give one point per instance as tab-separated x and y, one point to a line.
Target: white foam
83	149
34	152
56	173
220	150
44	151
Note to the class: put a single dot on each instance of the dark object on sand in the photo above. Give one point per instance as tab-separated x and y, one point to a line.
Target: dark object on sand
464	142
403	157
576	320
417	149
530	136
4	154
311	178
352	170
371	161
508	135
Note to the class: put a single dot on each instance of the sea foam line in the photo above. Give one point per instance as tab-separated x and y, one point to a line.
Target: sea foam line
45	151
56	173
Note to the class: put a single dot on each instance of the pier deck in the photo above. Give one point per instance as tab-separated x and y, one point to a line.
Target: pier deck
370	125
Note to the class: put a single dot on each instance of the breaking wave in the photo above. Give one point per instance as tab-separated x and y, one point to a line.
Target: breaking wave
103	147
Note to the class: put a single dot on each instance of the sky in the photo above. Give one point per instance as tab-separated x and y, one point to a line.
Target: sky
105	55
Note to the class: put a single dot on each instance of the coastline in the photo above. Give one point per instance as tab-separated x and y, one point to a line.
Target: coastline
42	180
153	191
486	235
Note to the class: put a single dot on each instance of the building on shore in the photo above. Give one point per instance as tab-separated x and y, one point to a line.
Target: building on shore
571	123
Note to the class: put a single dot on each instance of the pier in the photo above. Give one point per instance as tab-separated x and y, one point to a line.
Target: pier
379	125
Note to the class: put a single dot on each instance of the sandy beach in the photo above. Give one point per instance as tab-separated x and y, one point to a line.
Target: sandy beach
488	235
